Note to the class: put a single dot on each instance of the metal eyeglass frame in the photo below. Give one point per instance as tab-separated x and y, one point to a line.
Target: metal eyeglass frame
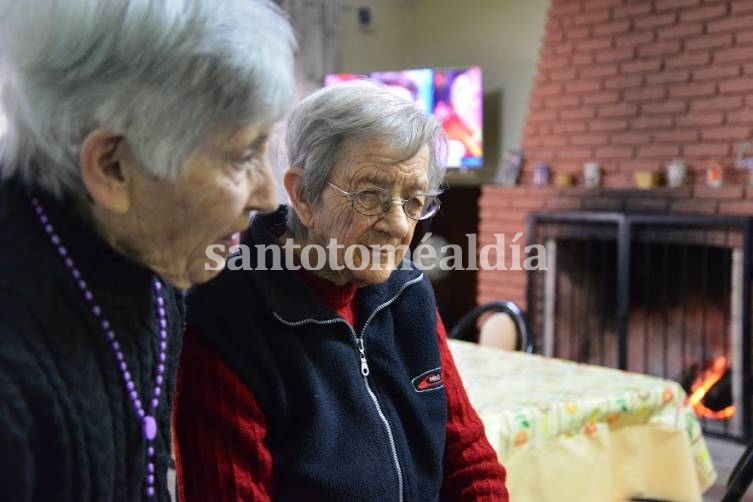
386	207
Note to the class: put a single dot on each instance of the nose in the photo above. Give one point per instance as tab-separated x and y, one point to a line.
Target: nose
262	195
394	222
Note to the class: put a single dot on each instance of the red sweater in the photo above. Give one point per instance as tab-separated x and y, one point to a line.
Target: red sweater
221	430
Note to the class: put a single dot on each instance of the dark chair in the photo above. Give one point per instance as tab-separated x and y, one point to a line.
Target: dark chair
465	329
737	484
741	477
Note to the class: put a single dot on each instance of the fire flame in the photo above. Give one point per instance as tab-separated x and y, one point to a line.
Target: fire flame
703	384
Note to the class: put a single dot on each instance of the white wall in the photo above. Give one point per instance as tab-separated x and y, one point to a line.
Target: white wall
503	36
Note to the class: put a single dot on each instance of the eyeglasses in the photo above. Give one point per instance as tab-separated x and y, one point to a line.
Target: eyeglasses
377	201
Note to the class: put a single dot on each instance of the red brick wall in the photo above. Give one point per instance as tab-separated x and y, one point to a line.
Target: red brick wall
631	85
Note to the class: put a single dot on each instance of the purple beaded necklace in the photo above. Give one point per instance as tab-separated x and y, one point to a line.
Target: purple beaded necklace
148	423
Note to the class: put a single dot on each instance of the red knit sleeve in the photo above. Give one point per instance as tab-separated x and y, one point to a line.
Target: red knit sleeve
220	432
471	469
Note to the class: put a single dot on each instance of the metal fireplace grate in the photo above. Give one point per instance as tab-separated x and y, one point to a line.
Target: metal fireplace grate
657	294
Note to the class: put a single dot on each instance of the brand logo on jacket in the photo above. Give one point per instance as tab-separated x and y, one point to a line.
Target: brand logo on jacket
428	380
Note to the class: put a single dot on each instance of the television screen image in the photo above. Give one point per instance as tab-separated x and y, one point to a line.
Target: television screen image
453	95
458	106
416	85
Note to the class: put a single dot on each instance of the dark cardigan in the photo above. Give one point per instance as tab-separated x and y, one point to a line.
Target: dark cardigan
68	430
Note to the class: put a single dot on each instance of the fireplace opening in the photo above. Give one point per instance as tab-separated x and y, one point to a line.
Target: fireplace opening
679	305
659	295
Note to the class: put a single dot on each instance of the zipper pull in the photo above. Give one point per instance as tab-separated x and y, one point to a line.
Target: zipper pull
362	351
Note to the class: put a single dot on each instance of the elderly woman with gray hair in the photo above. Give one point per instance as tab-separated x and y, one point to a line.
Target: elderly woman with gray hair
333	381
136	136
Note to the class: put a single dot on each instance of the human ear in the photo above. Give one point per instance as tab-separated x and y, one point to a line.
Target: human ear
293	182
103	170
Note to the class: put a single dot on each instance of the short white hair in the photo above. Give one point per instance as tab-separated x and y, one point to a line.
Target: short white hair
322	128
165	74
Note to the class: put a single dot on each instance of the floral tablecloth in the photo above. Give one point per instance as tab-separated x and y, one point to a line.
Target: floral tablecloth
528	401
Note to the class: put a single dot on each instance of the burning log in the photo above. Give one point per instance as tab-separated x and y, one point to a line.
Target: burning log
709	389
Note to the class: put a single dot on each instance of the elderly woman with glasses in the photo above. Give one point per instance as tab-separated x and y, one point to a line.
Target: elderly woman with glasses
135	139
333	380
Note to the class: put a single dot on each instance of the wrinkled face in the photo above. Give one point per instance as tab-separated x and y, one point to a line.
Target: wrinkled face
170	224
369	165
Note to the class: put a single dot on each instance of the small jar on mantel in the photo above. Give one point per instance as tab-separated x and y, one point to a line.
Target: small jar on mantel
714	174
541	174
676	173
592	174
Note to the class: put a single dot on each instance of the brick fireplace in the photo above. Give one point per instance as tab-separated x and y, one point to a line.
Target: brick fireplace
633	85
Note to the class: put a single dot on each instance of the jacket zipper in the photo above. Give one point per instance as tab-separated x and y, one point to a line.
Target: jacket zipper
365	370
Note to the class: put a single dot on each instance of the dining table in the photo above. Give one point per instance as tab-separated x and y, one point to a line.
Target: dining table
567	431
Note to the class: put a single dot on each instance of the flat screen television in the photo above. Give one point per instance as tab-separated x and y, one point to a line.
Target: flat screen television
453	95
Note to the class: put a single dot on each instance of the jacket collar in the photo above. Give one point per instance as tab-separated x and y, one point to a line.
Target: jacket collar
286	293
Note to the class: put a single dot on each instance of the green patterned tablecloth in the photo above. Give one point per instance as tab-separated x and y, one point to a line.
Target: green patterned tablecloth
527	400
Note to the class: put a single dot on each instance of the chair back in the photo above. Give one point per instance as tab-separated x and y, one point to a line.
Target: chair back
499	330
741	477
507	326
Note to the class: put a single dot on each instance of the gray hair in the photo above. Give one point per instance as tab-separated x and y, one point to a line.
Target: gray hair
323	127
164	74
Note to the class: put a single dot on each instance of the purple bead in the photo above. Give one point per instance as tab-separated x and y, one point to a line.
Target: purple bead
157	285
163	345
140	412
115	345
149	428
150	491
162	357
150	479
88	295
105	325
163	334
43	218
134	396
96	310
119	356
55	239
150	451
68	263
150	468
155	403
160	302
129	385
124	370
81	284
161	312
163	323
62	251
48	228
161	368
159	379
75	273
157	392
